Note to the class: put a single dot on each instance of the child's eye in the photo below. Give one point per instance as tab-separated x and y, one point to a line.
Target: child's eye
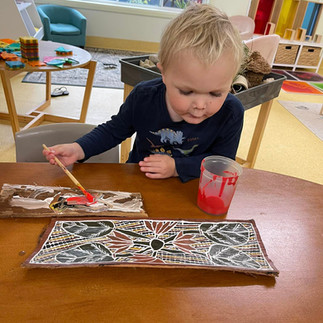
185	92
217	95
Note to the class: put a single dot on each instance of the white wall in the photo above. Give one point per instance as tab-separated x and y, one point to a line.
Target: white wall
232	7
124	26
116	22
135	24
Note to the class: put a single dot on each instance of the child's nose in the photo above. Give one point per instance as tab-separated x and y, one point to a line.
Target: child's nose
200	104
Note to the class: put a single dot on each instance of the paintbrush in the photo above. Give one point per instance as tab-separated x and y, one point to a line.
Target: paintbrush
89	197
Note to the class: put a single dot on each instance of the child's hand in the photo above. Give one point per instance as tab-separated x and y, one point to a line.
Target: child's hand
158	166
66	153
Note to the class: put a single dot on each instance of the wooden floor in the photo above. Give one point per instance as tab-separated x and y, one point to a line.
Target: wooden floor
288	147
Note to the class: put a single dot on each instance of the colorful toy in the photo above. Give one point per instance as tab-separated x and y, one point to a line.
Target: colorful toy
36	63
8	56
15	65
29	48
13	46
63	52
59	61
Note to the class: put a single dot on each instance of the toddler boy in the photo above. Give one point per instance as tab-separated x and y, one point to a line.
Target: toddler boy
187	114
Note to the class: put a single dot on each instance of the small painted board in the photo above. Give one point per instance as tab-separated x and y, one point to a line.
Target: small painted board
220	245
53	201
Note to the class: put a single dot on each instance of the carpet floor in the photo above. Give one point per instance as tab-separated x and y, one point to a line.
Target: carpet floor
107	74
307	113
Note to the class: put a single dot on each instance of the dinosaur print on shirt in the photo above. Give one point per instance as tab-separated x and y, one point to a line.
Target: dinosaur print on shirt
170	136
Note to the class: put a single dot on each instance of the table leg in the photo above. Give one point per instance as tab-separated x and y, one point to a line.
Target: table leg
10	101
48	86
125	146
35	116
258	133
40	117
36	121
88	89
46	103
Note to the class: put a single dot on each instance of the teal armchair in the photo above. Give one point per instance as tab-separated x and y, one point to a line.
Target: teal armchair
62	24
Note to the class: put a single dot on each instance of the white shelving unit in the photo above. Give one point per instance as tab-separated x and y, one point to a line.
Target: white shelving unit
302	46
20	18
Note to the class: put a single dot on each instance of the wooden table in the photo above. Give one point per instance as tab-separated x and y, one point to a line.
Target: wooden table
287	212
37	115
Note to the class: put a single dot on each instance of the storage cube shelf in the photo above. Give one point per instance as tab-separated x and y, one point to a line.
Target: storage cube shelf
296	21
309	56
286	15
297	54
286	54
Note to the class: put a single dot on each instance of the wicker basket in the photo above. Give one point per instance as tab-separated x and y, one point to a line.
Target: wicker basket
309	56
286	54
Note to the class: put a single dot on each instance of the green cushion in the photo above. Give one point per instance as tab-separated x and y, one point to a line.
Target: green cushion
64	29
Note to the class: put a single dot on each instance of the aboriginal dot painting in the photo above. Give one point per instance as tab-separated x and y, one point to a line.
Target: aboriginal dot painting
226	245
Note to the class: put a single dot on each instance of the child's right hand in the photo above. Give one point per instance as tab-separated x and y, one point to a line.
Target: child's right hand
68	154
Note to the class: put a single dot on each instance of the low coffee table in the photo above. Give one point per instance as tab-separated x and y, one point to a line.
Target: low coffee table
37	115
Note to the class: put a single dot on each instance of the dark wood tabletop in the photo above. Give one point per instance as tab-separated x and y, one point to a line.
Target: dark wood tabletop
288	214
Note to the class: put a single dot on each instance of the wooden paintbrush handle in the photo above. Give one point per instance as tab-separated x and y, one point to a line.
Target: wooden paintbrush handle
66	171
74	180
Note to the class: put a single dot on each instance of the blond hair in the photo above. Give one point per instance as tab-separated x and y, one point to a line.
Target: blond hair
203	30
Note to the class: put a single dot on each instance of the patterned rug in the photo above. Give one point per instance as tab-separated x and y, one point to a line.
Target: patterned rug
300	87
108	76
301	82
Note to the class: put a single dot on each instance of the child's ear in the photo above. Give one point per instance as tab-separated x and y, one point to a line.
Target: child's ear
160	67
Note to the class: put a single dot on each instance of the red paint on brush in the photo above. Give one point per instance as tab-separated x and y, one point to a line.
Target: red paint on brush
89	197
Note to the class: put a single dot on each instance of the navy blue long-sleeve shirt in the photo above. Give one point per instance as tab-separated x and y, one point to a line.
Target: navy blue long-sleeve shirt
145	113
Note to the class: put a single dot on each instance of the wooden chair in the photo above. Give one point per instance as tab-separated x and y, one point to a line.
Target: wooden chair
29	141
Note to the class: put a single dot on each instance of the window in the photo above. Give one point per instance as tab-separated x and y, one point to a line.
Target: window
178	4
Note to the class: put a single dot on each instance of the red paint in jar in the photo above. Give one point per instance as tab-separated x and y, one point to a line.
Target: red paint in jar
211	204
218	179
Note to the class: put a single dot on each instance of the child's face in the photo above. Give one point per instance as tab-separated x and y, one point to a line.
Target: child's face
195	92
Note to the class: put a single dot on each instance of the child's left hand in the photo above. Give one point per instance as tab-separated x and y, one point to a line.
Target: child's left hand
158	166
